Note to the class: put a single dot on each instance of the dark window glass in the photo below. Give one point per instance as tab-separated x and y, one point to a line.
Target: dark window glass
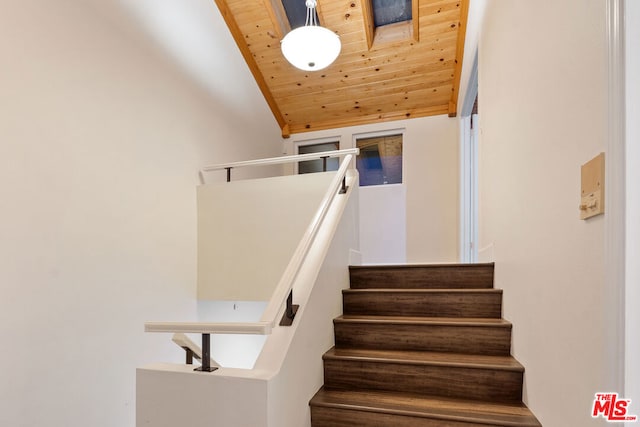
387	12
380	160
311	166
296	11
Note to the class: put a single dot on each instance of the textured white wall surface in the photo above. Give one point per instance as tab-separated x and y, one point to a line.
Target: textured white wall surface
101	137
248	231
543	113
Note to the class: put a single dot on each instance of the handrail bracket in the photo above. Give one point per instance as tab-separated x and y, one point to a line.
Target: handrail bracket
189	355
290	311
344	187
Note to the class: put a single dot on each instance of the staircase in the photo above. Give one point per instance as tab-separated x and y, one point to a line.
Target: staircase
421	346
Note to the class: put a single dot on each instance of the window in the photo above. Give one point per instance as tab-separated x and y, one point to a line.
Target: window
392	21
311	166
380	160
387	12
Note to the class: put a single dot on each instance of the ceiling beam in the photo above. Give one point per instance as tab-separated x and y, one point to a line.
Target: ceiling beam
369	25
415	18
462	30
278	17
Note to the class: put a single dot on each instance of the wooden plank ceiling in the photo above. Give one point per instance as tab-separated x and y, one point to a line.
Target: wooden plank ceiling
398	71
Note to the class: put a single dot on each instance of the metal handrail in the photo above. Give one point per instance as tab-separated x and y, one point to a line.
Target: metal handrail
282	159
276	161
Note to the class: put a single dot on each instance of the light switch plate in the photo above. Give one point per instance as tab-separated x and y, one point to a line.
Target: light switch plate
592	194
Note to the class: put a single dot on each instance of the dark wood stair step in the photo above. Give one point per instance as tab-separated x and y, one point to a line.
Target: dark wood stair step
341	408
421	276
437	334
489	378
424	302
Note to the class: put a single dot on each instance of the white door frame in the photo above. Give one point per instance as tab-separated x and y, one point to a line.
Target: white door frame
615	162
469	171
632	203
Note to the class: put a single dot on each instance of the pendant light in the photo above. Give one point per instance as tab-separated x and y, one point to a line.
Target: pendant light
311	47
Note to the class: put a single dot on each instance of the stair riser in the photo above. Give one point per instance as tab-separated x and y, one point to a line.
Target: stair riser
423	277
455	382
334	417
487	340
438	304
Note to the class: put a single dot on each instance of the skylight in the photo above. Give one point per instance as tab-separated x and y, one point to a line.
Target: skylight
296	11
387	12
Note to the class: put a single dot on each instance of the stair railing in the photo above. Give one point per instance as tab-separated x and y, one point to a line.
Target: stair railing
324	155
283	293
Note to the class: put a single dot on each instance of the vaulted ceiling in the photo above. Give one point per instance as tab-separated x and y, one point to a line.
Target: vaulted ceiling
403	70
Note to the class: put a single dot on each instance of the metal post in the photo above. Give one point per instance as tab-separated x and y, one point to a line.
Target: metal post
344	187
206	355
228	174
290	312
189	354
324	163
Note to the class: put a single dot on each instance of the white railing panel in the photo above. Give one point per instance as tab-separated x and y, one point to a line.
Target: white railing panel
249	230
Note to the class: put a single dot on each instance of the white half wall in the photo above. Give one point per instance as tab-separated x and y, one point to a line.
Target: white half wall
429	216
543	100
248	230
101	137
383	225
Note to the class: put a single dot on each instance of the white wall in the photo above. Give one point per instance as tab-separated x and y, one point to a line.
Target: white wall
543	97
383	224
632	41
429	217
249	229
431	156
101	136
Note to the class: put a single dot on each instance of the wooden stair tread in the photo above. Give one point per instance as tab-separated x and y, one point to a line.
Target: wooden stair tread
453	265
440	321
426	358
471	276
413	405
422	291
407	302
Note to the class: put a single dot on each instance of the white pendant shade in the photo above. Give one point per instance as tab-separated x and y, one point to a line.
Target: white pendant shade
310	47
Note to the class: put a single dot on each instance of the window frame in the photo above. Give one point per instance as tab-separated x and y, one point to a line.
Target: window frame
314	141
380	134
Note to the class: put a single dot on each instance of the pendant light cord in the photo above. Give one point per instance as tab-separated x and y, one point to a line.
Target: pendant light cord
311	13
